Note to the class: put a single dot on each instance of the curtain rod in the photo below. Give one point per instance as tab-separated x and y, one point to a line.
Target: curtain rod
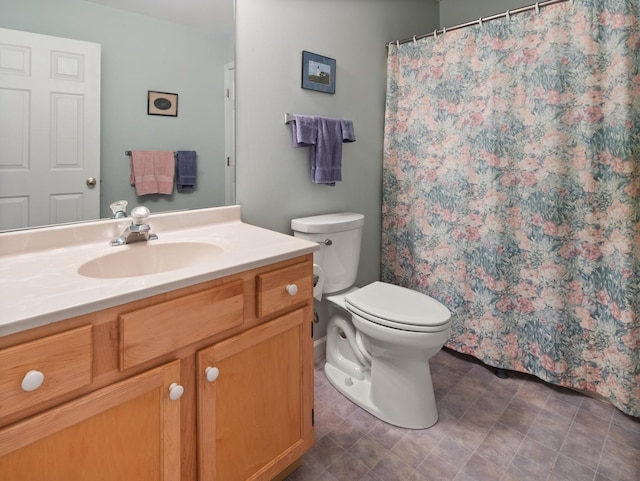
437	32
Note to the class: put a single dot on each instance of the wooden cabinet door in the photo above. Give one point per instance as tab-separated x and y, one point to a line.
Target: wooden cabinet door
255	417
127	431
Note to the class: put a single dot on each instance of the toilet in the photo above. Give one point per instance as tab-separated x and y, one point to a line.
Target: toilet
379	337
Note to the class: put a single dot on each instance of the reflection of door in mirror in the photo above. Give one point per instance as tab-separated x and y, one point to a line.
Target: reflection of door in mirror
49	130
230	134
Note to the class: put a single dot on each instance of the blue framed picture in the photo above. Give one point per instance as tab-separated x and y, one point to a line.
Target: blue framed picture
318	73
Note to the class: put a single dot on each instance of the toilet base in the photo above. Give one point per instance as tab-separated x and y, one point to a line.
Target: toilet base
359	392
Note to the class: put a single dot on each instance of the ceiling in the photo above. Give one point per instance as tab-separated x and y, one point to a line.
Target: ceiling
211	14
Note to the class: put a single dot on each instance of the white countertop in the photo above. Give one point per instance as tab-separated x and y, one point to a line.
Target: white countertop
39	282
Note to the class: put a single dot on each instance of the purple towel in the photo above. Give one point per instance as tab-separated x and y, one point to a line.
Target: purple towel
327	152
186	170
325	136
348	133
304	130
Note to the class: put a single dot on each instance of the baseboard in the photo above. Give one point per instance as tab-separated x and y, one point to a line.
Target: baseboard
319	349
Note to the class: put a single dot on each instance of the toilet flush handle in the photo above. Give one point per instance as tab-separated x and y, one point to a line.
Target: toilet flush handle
292	289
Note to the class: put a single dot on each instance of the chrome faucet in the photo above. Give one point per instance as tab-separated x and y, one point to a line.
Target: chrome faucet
138	230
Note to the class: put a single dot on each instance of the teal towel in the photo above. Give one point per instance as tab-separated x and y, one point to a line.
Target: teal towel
186	170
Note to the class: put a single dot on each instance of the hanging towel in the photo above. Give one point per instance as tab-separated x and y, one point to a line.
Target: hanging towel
326	167
325	136
152	171
348	132
304	130
186	170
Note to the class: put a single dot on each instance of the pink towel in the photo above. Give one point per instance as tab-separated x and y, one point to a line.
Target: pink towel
152	171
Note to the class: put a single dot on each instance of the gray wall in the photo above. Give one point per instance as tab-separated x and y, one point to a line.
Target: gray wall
273	183
273	179
138	54
453	12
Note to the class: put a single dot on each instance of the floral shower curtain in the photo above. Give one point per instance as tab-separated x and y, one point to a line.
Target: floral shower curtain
511	190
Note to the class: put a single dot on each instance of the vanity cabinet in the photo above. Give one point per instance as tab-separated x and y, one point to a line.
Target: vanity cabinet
211	382
252	402
45	368
128	430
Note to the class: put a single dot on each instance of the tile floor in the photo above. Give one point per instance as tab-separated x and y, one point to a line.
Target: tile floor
515	429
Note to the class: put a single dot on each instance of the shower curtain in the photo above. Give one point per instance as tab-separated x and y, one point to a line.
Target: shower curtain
511	190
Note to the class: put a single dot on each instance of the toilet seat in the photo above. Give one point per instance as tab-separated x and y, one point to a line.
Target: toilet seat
398	308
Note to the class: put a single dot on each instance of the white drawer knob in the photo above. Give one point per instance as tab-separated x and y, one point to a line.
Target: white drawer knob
175	391
32	380
212	373
292	289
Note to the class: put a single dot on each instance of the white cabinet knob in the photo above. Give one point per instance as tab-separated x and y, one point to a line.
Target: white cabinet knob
212	373
292	289
175	391
32	380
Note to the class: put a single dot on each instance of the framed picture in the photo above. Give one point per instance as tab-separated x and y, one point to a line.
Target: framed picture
318	73
162	103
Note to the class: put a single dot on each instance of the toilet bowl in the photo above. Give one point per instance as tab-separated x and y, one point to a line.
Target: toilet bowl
382	364
379	337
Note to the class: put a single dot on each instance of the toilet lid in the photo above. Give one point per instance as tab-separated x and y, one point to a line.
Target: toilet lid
398	307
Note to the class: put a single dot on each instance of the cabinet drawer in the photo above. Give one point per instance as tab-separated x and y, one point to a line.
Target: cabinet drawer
164	327
64	360
273	292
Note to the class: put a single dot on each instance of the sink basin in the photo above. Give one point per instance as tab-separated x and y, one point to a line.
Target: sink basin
146	258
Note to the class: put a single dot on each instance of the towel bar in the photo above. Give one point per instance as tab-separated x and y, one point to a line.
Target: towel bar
128	153
288	118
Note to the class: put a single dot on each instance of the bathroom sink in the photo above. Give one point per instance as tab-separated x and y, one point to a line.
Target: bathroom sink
146	258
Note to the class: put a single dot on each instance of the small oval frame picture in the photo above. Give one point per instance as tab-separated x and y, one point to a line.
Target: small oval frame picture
162	103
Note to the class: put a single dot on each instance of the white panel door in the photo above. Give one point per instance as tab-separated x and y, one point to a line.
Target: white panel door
49	130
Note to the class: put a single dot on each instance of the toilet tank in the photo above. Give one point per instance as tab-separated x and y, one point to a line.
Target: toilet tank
339	260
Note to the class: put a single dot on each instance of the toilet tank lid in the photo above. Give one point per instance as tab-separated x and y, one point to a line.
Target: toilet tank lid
327	223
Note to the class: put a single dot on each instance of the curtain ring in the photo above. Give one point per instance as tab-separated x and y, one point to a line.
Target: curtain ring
444	30
508	16
398	43
414	40
480	22
537	8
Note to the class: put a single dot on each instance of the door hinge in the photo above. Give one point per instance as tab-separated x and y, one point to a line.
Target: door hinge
228	94
313	418
228	162
311	329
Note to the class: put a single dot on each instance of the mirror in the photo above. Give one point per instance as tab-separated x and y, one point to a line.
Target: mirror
186	48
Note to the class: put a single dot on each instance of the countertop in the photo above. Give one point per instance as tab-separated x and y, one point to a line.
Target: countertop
39	282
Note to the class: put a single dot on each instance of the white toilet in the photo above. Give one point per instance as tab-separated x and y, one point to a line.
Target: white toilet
379	337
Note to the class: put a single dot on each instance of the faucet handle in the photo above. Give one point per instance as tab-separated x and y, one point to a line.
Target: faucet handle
139	215
119	209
